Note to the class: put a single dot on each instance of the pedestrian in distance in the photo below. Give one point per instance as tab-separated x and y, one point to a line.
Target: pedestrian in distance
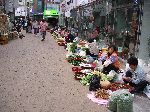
43	26
35	27
29	24
19	28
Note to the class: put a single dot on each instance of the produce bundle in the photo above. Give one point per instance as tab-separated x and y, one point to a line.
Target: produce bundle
71	47
116	86
105	84
94	83
102	93
121	101
103	76
85	80
75	59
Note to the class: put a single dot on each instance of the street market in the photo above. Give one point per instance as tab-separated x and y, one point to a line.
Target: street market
74	55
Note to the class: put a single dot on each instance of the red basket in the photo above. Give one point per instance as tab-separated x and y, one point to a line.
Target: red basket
61	43
76	69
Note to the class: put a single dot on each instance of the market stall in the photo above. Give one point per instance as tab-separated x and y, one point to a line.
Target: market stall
3	29
110	21
6	32
106	89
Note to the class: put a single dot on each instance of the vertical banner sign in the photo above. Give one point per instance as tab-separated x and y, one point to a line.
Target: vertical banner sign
35	6
119	49
39	6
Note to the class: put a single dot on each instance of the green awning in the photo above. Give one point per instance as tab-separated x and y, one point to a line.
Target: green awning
51	13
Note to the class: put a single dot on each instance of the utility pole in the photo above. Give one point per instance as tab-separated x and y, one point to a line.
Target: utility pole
14	10
4	6
25	4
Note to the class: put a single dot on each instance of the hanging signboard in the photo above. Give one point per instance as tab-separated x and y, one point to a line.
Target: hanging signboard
88	11
100	7
39	6
119	49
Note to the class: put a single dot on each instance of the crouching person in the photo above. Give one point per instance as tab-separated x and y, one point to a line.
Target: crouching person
110	61
135	75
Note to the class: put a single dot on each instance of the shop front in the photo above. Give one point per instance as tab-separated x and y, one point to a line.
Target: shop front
52	17
110	22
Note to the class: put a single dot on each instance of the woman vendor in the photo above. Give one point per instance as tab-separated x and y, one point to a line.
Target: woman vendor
135	75
110	60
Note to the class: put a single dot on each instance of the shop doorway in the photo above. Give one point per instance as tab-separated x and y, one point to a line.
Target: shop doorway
52	22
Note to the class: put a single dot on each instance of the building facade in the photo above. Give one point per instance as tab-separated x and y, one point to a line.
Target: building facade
24	8
118	21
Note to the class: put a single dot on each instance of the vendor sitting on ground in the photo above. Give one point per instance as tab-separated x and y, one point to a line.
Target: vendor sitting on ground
69	38
93	49
135	75
110	60
76	39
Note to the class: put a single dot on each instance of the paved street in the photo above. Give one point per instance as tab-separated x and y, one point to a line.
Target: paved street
35	77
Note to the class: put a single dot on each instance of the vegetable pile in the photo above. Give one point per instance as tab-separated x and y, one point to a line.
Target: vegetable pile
116	86
121	101
102	93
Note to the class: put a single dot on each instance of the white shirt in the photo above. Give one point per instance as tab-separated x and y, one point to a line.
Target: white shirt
138	74
35	24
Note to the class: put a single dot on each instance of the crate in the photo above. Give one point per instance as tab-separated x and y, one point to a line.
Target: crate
15	34
3	42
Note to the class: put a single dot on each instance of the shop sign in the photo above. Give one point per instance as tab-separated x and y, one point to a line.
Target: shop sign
119	49
88	11
108	7
82	2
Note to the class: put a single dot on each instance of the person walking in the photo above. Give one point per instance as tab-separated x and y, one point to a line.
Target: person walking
43	26
19	28
29	24
35	27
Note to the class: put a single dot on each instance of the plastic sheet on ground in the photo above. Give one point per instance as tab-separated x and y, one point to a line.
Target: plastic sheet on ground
98	101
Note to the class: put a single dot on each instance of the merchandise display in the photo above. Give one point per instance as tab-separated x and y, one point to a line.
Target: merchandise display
102	93
85	80
107	89
4	26
117	86
121	101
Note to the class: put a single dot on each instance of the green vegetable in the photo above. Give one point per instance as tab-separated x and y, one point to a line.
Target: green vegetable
86	79
121	101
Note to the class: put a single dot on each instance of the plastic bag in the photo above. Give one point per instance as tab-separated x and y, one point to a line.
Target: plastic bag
118	77
125	103
82	53
115	97
111	74
99	66
94	83
89	59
